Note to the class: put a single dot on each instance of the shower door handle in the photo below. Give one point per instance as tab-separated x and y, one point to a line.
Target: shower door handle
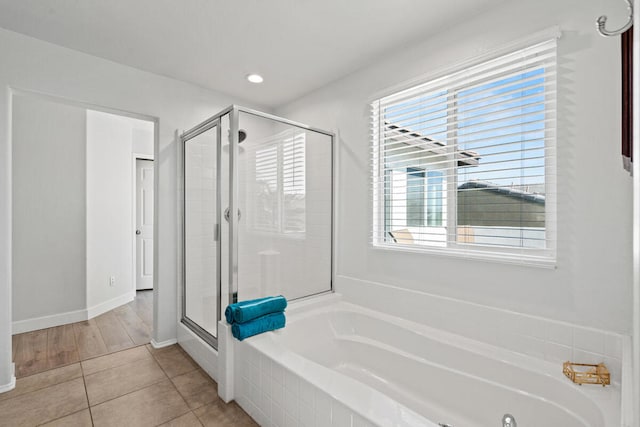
226	214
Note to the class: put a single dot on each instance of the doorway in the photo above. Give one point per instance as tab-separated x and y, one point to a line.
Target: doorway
74	209
144	224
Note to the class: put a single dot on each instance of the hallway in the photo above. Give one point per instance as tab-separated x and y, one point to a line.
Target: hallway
127	326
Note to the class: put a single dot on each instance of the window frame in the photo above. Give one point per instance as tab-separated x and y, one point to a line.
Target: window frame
541	257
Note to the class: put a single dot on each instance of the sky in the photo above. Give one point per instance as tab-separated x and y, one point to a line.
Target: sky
503	121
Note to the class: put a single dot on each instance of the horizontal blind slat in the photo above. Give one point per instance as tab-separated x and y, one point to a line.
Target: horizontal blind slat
477	140
543	53
448	103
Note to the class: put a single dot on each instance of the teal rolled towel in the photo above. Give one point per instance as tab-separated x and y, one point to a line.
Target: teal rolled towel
245	311
269	322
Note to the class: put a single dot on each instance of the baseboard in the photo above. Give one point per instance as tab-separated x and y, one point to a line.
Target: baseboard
27	325
155	344
8	387
103	307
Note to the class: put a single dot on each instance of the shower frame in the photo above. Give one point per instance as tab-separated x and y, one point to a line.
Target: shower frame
232	286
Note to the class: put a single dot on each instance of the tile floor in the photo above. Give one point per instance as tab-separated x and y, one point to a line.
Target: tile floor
125	327
66	379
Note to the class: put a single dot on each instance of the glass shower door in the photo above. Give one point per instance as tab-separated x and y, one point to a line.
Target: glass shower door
285	197
202	213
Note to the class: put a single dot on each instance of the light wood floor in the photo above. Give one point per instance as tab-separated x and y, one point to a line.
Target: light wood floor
101	373
127	326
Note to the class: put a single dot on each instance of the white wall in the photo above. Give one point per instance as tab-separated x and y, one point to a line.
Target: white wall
48	209
142	137
111	142
33	65
591	285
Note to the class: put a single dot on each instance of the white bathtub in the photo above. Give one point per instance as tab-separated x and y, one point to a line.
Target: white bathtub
340	364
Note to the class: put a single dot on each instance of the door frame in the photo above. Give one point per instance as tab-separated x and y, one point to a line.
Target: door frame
13	91
134	157
184	138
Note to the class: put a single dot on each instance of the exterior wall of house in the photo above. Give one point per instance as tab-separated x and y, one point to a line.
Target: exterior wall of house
489	208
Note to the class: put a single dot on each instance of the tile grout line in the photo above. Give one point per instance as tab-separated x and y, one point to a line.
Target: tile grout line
46	348
40	389
81	370
146	298
89	407
84	381
126	394
181	351
101	337
80	361
132	391
181	415
75	345
126	331
197	417
176	388
15	353
135	313
120	323
47	370
124	327
109	354
68	415
22	338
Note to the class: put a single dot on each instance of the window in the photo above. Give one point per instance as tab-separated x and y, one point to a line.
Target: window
279	189
465	163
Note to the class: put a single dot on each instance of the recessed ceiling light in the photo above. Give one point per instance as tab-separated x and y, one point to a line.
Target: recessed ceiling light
255	78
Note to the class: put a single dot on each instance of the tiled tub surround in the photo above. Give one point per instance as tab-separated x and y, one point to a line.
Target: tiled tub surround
535	336
337	364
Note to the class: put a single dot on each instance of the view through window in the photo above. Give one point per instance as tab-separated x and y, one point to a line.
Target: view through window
465	161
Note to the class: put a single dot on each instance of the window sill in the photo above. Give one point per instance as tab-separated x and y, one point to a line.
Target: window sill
537	261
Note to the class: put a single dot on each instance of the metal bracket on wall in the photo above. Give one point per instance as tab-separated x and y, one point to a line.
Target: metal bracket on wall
602	21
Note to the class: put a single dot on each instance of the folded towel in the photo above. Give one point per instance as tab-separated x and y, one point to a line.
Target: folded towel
269	322
245	311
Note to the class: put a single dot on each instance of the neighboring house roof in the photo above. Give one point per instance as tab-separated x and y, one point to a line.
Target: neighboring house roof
468	158
506	191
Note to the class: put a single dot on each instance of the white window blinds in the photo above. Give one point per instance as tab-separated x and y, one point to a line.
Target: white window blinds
280	184
465	163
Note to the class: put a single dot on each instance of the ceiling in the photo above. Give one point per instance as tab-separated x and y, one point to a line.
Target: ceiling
297	45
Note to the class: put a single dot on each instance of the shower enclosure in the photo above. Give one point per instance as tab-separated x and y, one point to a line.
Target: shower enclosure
257	213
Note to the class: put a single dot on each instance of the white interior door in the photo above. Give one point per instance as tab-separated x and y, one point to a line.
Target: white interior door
144	224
